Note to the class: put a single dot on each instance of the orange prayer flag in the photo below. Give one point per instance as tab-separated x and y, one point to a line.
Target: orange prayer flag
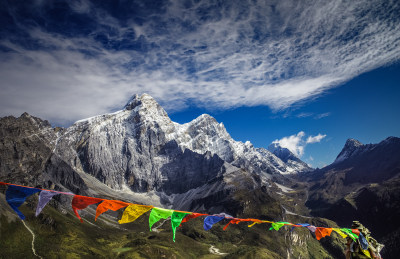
322	232
113	205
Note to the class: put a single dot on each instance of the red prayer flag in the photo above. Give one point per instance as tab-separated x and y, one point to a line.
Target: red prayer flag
1	183
356	231
322	232
192	216
236	221
81	202
110	205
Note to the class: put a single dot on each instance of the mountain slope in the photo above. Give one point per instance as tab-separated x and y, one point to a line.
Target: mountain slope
362	184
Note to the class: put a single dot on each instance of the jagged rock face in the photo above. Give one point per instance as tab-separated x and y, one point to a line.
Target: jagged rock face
142	148
26	143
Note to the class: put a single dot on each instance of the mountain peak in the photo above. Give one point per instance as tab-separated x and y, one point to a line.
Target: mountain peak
288	157
351	148
136	100
350	143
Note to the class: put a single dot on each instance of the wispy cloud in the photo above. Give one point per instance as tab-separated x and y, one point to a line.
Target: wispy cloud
315	139
322	115
238	53
296	143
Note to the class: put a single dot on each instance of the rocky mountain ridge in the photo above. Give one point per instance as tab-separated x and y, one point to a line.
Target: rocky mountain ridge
140	153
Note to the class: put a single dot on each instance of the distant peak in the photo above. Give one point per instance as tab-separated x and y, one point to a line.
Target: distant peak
137	100
352	143
351	148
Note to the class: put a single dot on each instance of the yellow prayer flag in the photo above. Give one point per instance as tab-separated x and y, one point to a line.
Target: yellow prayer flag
337	230
132	212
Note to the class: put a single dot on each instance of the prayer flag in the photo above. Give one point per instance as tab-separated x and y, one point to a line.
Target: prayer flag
363	242
16	195
209	221
158	213
44	198
322	232
311	228
113	205
81	202
1	183
337	230
349	233
278	225
234	221
132	212
192	216
176	220
255	221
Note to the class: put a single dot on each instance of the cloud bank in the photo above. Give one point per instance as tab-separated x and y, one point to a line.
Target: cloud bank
67	61
296	143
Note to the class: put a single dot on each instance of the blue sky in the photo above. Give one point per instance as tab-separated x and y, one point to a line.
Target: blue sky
306	74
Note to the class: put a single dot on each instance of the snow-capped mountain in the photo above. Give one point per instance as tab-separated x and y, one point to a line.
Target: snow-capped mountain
289	158
139	151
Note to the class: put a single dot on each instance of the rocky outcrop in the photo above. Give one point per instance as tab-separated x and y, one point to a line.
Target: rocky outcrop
26	144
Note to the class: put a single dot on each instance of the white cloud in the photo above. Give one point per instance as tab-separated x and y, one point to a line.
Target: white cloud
315	139
296	143
239	54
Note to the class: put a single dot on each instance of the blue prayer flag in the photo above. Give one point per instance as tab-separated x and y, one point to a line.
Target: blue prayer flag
16	195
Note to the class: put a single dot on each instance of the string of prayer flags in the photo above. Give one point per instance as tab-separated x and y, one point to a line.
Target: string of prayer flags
113	205
16	195
81	202
176	219
278	225
132	212
44	198
322	232
158	213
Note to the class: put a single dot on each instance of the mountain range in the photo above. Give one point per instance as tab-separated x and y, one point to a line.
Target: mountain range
139	155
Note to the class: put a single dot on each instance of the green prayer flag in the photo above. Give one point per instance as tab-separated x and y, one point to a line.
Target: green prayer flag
348	232
157	213
278	225
176	220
